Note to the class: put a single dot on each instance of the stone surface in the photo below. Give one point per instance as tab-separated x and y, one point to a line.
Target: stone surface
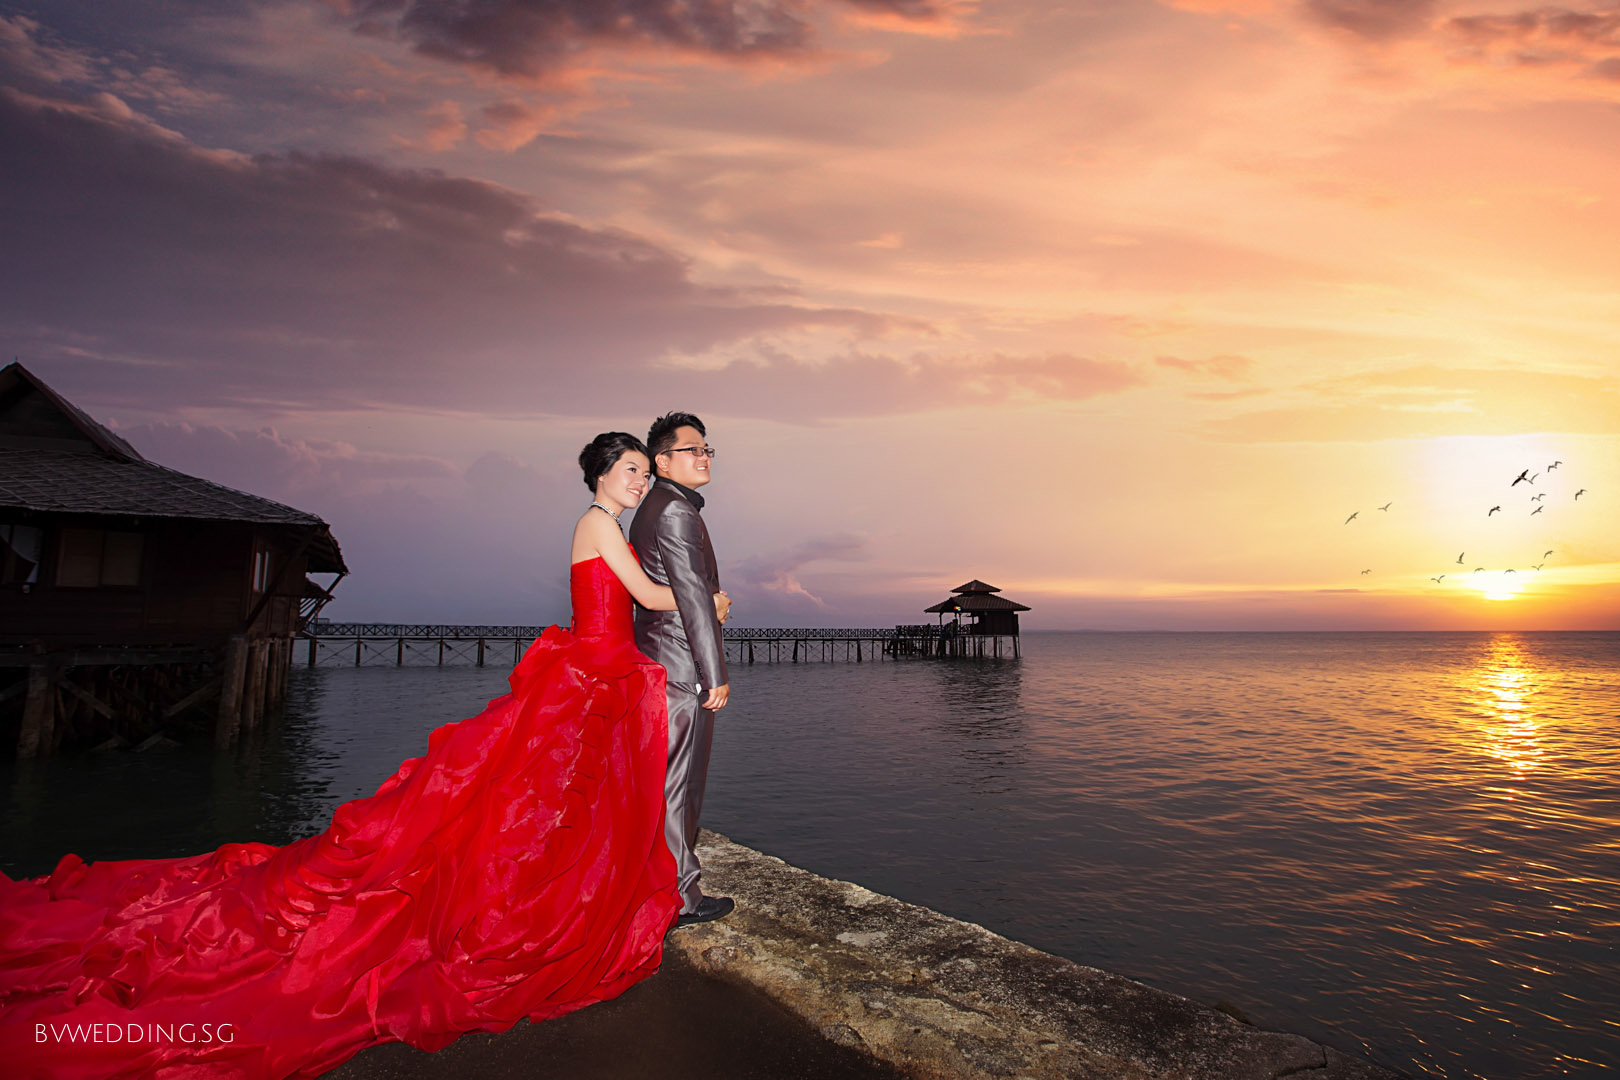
678	1025
942	999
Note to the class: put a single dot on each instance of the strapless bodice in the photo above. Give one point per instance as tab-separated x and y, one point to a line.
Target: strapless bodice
602	606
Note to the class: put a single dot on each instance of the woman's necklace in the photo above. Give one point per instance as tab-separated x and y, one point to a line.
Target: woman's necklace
609	513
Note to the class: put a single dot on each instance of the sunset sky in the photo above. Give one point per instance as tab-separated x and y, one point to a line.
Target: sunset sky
1123	307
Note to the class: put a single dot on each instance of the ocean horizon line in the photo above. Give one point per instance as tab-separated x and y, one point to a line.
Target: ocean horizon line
1050	630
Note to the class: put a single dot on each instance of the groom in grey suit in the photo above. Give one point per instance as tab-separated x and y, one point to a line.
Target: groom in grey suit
673	544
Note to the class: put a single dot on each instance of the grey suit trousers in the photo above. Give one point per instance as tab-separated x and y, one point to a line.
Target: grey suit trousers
691	733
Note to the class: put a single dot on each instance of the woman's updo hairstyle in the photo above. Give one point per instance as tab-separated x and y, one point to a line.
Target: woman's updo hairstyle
604	451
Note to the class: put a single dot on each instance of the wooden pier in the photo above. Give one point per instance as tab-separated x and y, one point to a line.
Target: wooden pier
333	644
800	646
806	646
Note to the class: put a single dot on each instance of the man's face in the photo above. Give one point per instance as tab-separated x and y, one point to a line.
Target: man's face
679	464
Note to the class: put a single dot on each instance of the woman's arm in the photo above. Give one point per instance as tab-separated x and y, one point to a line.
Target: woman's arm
597	532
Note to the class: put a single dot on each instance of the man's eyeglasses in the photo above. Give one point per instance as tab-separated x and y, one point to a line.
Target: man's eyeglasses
695	451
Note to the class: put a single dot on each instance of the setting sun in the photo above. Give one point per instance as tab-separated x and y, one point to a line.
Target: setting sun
1500	586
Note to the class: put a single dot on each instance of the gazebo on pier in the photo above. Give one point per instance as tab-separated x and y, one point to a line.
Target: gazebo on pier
989	619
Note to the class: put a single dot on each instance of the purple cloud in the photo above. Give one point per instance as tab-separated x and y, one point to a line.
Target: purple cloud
768	584
1542	24
1589	40
151	268
527	38
289	469
1375	20
148	270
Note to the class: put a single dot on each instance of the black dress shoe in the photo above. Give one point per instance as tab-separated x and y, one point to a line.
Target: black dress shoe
709	909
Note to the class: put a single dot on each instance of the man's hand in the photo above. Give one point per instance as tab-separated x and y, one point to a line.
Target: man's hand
718	696
722	606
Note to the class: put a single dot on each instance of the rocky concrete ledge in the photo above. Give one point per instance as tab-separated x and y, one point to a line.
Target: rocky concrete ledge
943	999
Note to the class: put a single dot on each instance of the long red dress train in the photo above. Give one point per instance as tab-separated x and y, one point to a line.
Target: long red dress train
518	869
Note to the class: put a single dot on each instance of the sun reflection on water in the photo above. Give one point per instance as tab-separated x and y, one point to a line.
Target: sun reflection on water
1505	680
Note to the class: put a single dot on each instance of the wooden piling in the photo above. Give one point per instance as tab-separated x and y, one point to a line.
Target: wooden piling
228	721
253	685
272	676
279	650
39	714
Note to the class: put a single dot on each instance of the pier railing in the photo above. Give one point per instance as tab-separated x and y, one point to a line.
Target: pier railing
417	644
359	644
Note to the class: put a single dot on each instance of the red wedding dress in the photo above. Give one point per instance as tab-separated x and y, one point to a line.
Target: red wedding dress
519	869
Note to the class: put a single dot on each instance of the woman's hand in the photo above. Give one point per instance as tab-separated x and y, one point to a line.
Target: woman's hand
722	606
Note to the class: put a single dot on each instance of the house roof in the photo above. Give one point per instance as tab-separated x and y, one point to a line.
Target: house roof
33	416
55	459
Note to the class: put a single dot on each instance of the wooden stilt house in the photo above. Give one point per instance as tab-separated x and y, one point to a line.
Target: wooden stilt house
133	596
980	621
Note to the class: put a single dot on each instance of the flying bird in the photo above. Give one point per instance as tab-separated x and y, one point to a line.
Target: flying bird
1460	554
1366	571
1581	492
1492	510
1437	579
1538	566
1521	476
1532	479
1477	569
1351	518
1538	498
1546	553
1554	465
1510	571
1537	510
1387	505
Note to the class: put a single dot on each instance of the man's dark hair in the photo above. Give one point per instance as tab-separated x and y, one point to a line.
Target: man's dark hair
661	436
604	452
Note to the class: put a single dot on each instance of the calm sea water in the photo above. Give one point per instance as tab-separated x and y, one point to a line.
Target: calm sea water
1403	845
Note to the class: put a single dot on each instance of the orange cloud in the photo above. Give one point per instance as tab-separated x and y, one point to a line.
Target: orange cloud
1582	43
1221	367
446	128
1430	401
1222	7
511	124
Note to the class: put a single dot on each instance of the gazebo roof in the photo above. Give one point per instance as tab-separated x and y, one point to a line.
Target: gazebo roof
976	602
975	586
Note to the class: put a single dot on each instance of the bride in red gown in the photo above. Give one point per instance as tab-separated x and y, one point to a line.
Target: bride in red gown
518	869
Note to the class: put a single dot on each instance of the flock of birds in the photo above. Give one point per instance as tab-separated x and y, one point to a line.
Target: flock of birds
1525	477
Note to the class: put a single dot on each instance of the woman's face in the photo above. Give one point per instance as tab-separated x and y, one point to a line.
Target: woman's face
627	480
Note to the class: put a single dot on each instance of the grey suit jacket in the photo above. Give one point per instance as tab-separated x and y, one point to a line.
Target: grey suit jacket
673	544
